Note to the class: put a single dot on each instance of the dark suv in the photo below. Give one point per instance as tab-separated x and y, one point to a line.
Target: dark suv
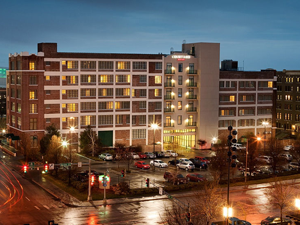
175	178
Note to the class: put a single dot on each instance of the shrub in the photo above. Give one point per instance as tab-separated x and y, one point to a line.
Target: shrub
121	189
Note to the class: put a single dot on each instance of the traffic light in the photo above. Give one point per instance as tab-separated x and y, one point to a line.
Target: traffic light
25	169
122	173
147	182
92	180
46	168
188	217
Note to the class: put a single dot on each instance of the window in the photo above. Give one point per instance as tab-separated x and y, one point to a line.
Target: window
31	65
19	65
105	105
158	65
289	79
122	78
246	98
48	106
179	120
48	92
123	92
139	134
143	78
179	80
13	79
264	111
134	120
13	106
47	63
105	120
48	120
32	108
88	78
122	65
32	94
106	65
265	84
32	80
13	120
179	92
13	93
19	93
72	93
226	112
157	79
246	123
244	112
142	105
88	92
180	67
63	92
288	88
63	77
270	84
158	105
231	98
105	92
228	98
143	93
72	79
32	124
119	119
265	98
247	84
88	65
34	141
157	92
72	65
106	78
72	107
226	123
139	65
88	106
88	120
47	77
179	106
19	79
122	105
19	107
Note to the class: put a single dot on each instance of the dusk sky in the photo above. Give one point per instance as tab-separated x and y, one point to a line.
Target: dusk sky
261	33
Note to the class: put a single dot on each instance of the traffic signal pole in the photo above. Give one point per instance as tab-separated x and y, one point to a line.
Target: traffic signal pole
104	197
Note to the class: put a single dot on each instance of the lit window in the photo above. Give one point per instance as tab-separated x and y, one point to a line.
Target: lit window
179	105
157	92
47	77
232	98
72	107
63	62
31	65
33	108
63	119
63	105
270	84
63	92
158	79
32	94
133	92
63	77
123	65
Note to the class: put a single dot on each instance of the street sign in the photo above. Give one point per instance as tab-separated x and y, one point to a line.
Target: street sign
161	191
31	165
79	164
51	166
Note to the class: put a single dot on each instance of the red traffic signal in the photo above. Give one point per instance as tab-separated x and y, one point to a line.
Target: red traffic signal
188	217
92	179
122	173
147	182
46	168
25	169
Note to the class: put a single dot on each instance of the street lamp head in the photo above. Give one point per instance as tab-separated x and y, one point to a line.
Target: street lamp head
214	139
64	143
3	131
297	203
258	138
265	123
72	128
227	212
154	126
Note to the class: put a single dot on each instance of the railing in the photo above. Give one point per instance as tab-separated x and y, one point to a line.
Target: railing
191	109
192	72
168	124
191	84
168	109
169	71
191	124
169	84
191	96
169	97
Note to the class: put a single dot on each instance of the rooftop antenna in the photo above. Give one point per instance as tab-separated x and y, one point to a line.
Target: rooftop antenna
171	49
243	66
184	42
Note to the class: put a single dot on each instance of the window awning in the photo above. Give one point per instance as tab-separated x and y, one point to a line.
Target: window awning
9	135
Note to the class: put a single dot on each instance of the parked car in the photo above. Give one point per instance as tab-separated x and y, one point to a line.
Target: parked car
118	157
202	159
288	147
134	155
159	154
81	176
142	165
173	154
175	178
199	164
158	163
253	173
293	166
238	146
106	156
186	165
184	160
173	162
142	155
264	158
287	156
166	154
237	221
196	177
275	220
150	155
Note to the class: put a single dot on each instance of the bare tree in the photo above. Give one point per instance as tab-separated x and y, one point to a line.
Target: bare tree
29	152
219	163
280	195
274	150
93	140
54	151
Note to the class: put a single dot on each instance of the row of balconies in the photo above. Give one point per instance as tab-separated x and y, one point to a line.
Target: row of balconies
188	84
170	71
172	97
189	109
188	124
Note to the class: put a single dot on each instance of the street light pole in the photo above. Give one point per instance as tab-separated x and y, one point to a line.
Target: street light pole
265	123
70	151
154	126
247	146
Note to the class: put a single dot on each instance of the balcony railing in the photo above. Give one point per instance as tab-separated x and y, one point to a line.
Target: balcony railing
169	84
191	124
169	97
169	71
191	109
168	124
192	72
191	96
191	84
166	110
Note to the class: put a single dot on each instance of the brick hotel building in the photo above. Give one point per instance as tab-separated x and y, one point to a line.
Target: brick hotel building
120	95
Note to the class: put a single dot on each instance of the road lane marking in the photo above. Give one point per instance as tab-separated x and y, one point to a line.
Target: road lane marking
36	207
46	207
27	198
